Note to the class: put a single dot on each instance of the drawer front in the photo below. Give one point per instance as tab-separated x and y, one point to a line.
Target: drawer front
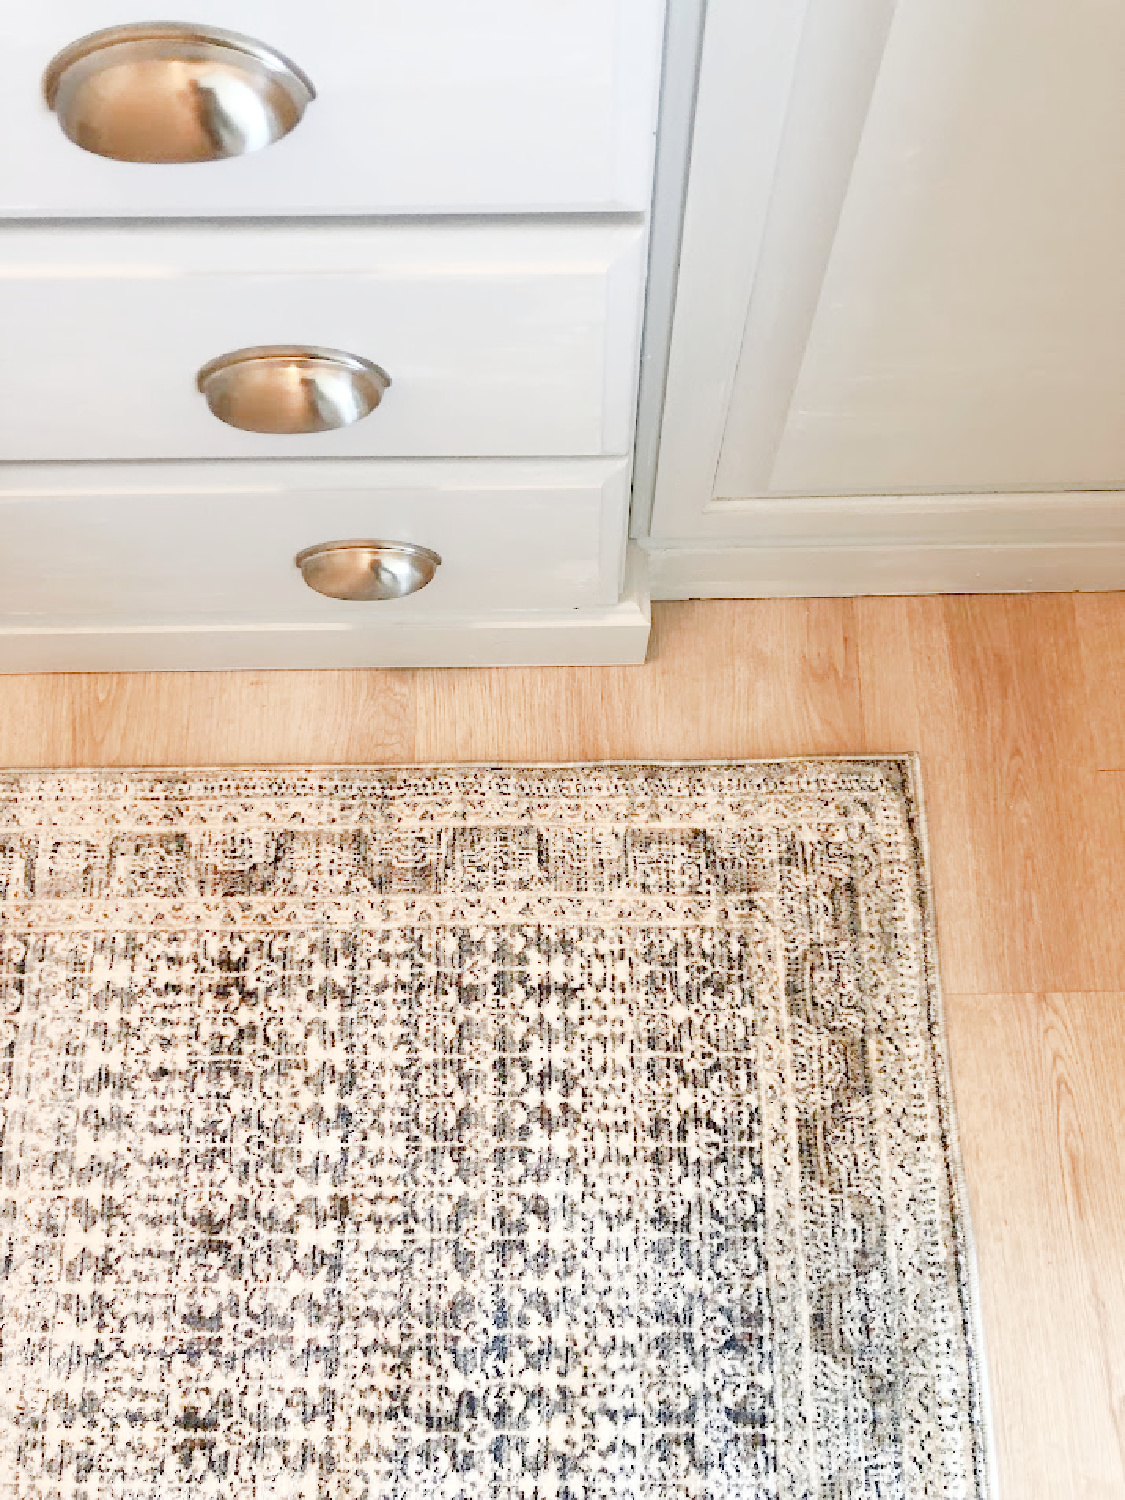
430	106
499	341
146	545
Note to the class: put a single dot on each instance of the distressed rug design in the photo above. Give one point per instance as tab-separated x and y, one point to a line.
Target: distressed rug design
502	1133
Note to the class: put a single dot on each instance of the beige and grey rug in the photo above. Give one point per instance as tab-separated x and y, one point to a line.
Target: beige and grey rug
479	1134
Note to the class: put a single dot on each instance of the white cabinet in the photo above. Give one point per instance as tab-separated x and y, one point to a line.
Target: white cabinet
464	204
499	339
431	106
898	354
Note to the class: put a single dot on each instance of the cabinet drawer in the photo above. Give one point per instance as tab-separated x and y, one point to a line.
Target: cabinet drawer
140	544
503	341
430	106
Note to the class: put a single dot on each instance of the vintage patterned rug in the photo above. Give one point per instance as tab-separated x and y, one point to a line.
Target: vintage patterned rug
479	1134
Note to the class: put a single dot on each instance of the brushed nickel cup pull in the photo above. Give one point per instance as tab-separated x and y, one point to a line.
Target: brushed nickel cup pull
291	388
367	570
172	92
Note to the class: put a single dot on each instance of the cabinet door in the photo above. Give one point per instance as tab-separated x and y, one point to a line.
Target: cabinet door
499	340
901	268
431	106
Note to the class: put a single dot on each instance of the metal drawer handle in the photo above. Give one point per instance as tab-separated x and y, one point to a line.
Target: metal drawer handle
367	570
171	92
291	388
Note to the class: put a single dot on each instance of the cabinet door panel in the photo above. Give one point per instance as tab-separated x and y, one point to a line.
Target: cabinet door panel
970	326
900	274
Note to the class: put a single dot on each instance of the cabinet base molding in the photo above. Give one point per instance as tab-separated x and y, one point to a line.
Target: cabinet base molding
613	635
773	571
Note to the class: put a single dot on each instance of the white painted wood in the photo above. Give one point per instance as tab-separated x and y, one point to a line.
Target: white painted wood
729	572
902	544
842	48
746	75
500	340
927	296
193	545
683	41
610	635
970	520
435	106
971	326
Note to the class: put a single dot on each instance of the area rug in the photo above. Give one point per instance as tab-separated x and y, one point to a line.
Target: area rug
479	1133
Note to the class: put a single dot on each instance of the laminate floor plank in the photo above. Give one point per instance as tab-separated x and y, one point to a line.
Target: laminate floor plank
1101	625
724	679
1040	1093
992	691
200	718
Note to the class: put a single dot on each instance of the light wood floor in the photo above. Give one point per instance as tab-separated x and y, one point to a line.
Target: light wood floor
1017	705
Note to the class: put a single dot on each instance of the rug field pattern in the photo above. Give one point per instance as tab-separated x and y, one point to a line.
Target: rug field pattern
556	1133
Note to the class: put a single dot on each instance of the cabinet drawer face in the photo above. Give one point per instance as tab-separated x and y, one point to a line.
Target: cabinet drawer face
498	341
421	106
134	546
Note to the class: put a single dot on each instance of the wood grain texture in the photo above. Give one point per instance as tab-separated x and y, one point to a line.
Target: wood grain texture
200	718
1015	704
995	693
758	679
1101	627
1040	1090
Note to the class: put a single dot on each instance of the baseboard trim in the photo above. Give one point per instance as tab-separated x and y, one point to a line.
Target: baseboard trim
616	635
726	572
